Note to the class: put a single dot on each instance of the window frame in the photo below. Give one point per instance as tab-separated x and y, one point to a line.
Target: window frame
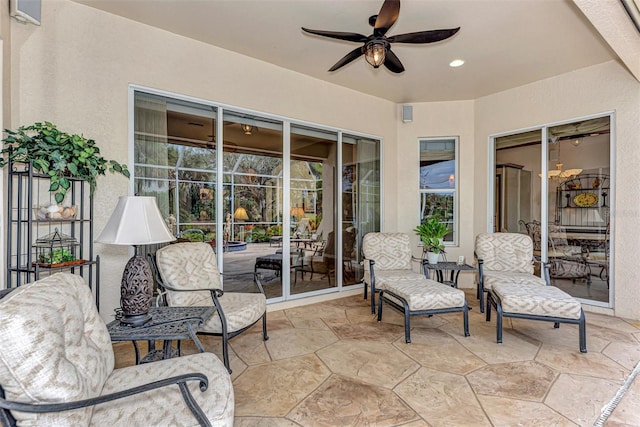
455	190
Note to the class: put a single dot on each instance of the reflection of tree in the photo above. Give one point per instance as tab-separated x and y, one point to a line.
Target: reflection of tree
252	175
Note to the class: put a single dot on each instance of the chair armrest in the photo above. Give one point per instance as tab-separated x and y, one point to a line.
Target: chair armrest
180	380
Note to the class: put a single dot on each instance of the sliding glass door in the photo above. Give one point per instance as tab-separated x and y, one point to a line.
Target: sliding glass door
263	192
567	210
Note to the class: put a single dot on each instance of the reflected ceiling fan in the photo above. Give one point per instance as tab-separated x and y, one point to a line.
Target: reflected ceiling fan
377	46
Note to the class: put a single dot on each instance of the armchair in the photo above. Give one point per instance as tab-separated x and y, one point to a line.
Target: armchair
386	256
57	368
188	275
505	258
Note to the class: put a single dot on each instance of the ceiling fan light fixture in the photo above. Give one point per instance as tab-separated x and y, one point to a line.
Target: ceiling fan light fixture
247	128
576	142
375	52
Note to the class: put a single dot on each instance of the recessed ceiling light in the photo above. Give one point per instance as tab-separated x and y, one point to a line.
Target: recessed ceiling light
456	63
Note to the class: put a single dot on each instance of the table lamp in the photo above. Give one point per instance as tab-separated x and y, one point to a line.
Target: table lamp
136	221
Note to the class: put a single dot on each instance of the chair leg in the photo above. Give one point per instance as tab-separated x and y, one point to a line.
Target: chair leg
407	323
465	314
583	333
499	322
264	326
489	302
556	325
225	351
373	298
379	305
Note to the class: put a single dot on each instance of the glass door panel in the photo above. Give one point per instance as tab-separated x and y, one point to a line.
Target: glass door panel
252	203
579	208
175	161
312	209
576	224
360	201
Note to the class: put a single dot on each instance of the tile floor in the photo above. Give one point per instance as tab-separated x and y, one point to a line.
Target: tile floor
332	364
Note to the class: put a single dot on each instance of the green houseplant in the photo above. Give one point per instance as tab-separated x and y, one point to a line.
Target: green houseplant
59	155
431	232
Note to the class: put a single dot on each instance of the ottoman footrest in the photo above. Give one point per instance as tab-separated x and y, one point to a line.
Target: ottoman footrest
535	302
422	296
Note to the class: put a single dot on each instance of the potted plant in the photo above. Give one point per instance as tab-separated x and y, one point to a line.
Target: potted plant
431	233
59	155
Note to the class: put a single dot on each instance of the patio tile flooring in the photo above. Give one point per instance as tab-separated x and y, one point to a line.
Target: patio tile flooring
333	364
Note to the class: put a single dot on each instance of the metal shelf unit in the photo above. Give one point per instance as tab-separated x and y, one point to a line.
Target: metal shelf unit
27	191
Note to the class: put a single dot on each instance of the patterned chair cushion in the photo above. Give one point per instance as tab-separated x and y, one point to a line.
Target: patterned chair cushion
505	252
491	278
188	266
165	407
193	266
425	294
383	276
55	348
537	300
390	251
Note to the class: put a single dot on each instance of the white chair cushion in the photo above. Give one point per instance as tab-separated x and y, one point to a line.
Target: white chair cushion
188	266
165	407
193	266
505	252
55	348
390	251
240	309
383	276
537	300
491	278
426	294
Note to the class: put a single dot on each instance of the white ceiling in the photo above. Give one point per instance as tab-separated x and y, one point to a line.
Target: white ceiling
505	43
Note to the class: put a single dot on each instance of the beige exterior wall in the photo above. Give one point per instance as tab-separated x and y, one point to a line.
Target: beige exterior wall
75	70
598	89
436	119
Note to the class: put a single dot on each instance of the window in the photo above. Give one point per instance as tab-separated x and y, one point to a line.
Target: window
438	182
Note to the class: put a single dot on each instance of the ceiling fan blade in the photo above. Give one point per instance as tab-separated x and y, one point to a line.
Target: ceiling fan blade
429	36
387	16
392	62
352	37
354	54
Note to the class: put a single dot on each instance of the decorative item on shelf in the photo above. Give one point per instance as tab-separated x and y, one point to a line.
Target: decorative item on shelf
136	221
56	250
585	200
431	233
55	212
58	155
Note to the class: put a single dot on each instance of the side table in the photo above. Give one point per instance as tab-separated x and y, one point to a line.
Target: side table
453	267
166	324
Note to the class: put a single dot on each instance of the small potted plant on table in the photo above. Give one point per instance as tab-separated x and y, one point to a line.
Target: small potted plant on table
431	233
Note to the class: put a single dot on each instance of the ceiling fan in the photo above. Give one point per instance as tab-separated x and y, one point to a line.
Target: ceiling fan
377	46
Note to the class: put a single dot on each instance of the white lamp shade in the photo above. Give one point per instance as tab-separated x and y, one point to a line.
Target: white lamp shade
136	220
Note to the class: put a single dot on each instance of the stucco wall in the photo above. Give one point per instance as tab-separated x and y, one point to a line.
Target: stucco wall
75	69
437	119
592	90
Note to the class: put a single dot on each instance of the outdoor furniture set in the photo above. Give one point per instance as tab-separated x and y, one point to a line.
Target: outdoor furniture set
505	273
57	360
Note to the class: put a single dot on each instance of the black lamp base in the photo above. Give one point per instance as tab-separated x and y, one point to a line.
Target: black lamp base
136	291
137	320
